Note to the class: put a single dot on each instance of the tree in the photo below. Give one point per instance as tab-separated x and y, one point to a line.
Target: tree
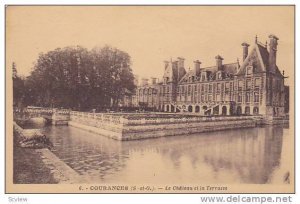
18	87
113	66
73	77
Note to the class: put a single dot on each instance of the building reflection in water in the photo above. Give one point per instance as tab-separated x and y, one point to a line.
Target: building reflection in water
237	156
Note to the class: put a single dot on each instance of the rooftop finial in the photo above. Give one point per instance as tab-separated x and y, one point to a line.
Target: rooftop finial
266	44
283	72
255	38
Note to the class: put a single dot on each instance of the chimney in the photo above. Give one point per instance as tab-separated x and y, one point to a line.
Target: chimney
197	67
144	82
219	62
245	50
154	80
180	62
166	64
272	51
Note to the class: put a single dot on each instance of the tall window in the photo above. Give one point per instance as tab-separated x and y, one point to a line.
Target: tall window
227	97
218	87
218	97
256	97
189	90
220	75
210	88
202	98
257	82
227	86
239	97
240	84
248	84
203	76
248	97
249	70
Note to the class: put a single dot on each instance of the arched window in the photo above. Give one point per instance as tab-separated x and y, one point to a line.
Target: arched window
247	110
255	110
239	110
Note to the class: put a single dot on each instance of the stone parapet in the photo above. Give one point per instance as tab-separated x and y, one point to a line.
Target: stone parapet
144	131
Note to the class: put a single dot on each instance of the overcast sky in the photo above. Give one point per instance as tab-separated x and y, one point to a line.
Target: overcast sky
149	34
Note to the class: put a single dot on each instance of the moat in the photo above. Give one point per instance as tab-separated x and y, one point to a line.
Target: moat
256	155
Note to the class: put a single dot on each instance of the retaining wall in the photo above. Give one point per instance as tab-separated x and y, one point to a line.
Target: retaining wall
134	132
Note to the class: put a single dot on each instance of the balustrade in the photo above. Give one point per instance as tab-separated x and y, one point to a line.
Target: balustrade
96	119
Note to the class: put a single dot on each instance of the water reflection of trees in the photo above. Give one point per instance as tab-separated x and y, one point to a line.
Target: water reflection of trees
247	155
87	153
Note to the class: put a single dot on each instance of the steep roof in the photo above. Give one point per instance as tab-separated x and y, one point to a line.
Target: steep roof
264	54
259	59
228	70
169	72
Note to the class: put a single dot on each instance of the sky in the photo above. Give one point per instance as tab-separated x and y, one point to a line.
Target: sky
149	34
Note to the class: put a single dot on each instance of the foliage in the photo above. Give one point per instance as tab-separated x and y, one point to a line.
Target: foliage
74	77
18	87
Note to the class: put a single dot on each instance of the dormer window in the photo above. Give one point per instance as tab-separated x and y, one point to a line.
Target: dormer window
219	75
203	76
166	80
249	70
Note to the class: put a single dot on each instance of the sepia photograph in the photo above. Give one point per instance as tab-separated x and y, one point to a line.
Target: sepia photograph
150	99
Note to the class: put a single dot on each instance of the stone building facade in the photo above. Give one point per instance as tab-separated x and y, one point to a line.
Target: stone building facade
253	86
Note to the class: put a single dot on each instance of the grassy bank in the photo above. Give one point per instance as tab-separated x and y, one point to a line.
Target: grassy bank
29	167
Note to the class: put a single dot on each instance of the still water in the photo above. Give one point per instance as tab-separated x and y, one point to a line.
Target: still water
254	155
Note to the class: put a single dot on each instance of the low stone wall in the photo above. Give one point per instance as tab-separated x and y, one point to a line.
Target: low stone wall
127	132
275	121
105	130
152	131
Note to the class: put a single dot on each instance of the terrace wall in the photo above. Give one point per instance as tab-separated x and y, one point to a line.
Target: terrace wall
142	126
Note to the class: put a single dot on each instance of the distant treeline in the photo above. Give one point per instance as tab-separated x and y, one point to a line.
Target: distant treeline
77	78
